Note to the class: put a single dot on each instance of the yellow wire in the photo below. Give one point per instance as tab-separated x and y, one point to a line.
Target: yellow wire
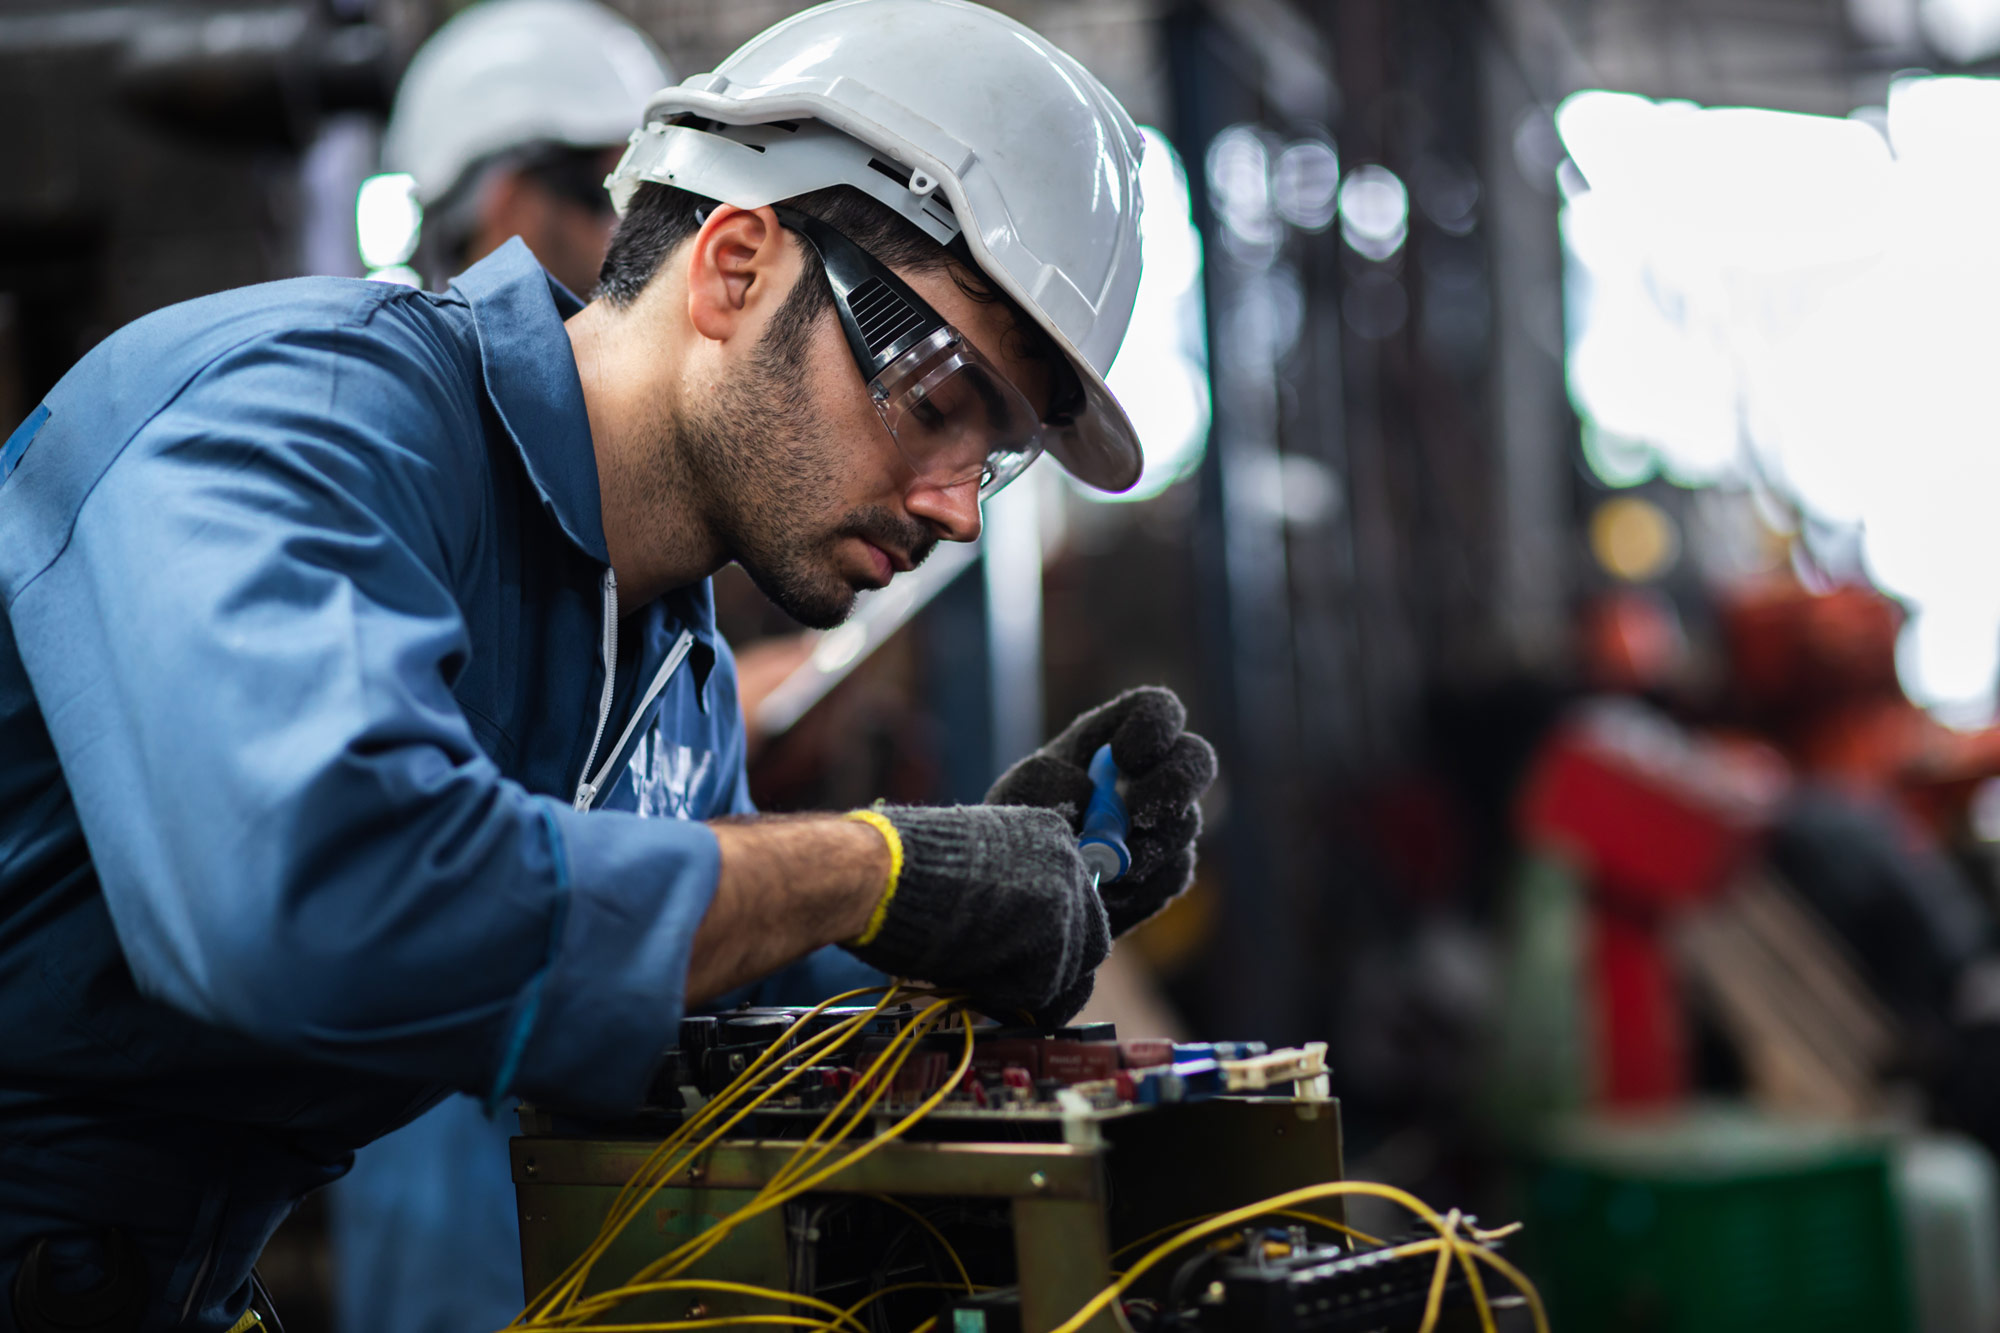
1313	1218
634	1196
749	1289
877	1082
1434	1301
802	1174
778	1195
664	1165
893	1288
936	1235
776	1192
807	1052
1237	1217
680	1257
775	1196
1519	1281
832	1038
571	1310
1463	1253
729	1321
894	1131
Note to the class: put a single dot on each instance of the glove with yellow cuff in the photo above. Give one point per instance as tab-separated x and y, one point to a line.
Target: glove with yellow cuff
991	900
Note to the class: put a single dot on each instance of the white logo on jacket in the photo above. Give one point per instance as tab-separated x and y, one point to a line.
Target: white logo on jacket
666	778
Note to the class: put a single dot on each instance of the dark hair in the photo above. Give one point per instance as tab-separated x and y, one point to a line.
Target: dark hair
663	217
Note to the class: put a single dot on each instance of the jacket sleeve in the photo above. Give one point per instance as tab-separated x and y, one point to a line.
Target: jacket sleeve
244	655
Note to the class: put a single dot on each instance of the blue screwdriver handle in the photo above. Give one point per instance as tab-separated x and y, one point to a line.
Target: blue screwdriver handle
1105	824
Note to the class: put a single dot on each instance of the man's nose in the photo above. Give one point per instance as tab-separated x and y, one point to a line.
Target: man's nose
952	510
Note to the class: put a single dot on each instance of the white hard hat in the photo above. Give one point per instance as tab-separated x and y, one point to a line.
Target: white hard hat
908	100
507	73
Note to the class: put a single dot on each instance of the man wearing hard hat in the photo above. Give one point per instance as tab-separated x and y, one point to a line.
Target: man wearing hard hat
507	122
364	732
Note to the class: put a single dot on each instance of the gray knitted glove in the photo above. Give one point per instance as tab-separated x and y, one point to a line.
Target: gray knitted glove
1166	768
996	902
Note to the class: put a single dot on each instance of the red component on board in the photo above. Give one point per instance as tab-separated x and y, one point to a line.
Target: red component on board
1079	1061
1145	1053
990	1057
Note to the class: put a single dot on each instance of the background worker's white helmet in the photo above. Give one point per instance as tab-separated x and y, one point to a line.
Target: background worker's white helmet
506	73
963	121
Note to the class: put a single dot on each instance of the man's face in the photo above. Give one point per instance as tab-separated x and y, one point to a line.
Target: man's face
802	480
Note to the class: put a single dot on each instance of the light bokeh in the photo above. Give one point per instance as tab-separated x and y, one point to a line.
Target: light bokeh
1805	302
387	219
1160	375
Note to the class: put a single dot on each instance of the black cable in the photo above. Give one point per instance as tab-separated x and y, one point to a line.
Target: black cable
258	1291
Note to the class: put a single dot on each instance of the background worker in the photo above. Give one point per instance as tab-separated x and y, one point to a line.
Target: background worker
508	120
335	612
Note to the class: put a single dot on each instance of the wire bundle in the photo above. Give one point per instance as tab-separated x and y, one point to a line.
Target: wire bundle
1455	1243
563	1306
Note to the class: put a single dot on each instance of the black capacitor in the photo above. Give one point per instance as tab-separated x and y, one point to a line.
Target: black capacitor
696	1036
753	1029
1089	1032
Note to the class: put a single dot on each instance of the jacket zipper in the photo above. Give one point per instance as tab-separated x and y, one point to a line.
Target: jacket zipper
591	783
675	656
584	790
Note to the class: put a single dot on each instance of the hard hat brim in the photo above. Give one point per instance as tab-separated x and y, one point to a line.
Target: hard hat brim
1101	448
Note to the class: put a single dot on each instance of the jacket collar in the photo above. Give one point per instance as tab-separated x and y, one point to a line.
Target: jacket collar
518	309
530	371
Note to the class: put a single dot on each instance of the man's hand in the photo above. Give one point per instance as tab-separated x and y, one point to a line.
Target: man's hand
1166	768
993	901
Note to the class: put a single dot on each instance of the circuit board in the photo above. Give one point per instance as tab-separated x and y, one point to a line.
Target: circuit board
1017	1073
909	1166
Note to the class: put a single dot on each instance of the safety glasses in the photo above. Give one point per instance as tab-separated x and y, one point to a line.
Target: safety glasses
953	415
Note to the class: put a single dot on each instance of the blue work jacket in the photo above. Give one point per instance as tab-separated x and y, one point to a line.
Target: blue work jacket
310	673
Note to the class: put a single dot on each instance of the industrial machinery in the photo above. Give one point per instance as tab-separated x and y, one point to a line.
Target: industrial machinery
900	1166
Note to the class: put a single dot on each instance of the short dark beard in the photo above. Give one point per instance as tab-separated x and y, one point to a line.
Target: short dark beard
761	472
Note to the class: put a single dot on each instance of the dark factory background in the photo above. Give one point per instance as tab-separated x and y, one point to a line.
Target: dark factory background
1564	512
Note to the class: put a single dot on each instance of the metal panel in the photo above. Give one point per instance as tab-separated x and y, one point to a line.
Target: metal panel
1072	1203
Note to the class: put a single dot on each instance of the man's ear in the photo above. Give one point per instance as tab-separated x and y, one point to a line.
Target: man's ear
737	262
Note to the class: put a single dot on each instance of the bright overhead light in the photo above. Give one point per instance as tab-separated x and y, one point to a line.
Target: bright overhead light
1374	211
1239	184
1944	119
387	219
1785	285
1305	182
1160	375
1963	31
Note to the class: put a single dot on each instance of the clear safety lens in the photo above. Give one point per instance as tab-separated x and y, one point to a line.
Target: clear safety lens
954	416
